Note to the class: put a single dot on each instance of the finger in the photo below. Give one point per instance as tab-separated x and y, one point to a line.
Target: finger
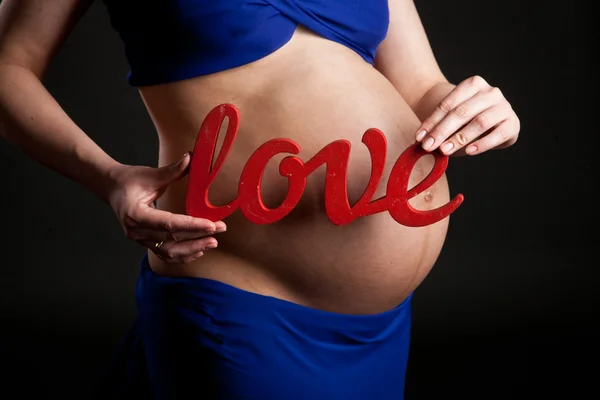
160	220
166	236
173	172
183	260
181	252
461	93
501	136
478	126
459	117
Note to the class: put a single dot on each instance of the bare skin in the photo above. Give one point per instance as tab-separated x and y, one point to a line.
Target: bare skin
312	91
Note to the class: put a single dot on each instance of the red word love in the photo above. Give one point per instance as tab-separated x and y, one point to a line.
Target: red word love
335	155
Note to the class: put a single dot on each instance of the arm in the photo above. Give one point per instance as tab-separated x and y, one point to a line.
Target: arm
31	32
406	59
30	118
470	117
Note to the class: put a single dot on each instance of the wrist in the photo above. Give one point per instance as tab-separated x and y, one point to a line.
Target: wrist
97	171
110	172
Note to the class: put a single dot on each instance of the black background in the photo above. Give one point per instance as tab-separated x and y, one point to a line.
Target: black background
508	312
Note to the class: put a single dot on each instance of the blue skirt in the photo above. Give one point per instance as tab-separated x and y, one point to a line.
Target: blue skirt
203	339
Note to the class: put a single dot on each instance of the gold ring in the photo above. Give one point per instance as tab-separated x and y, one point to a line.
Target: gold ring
158	244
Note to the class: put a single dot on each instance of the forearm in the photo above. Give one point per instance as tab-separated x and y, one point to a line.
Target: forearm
431	99
31	119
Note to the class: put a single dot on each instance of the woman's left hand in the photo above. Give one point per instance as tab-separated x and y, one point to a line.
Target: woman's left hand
474	118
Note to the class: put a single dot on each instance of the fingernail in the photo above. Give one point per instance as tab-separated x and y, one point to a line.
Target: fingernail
446	147
220	226
421	135
211	245
471	149
428	143
176	165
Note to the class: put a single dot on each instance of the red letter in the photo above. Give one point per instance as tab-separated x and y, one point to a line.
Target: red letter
249	195
335	156
375	141
398	193
202	174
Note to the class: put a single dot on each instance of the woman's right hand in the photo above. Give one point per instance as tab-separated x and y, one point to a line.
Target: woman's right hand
174	238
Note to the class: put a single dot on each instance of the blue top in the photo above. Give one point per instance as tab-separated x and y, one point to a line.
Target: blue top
171	40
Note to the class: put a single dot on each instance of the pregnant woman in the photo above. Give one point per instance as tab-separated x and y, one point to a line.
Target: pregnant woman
296	309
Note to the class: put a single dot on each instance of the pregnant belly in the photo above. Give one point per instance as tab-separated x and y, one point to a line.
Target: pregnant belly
367	266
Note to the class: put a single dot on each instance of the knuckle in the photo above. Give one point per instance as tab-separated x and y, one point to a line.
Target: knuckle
436	133
168	225
501	135
495	91
461	111
477	80
445	106
428	126
201	245
480	121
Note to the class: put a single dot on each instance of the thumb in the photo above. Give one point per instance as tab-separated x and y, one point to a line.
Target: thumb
175	171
